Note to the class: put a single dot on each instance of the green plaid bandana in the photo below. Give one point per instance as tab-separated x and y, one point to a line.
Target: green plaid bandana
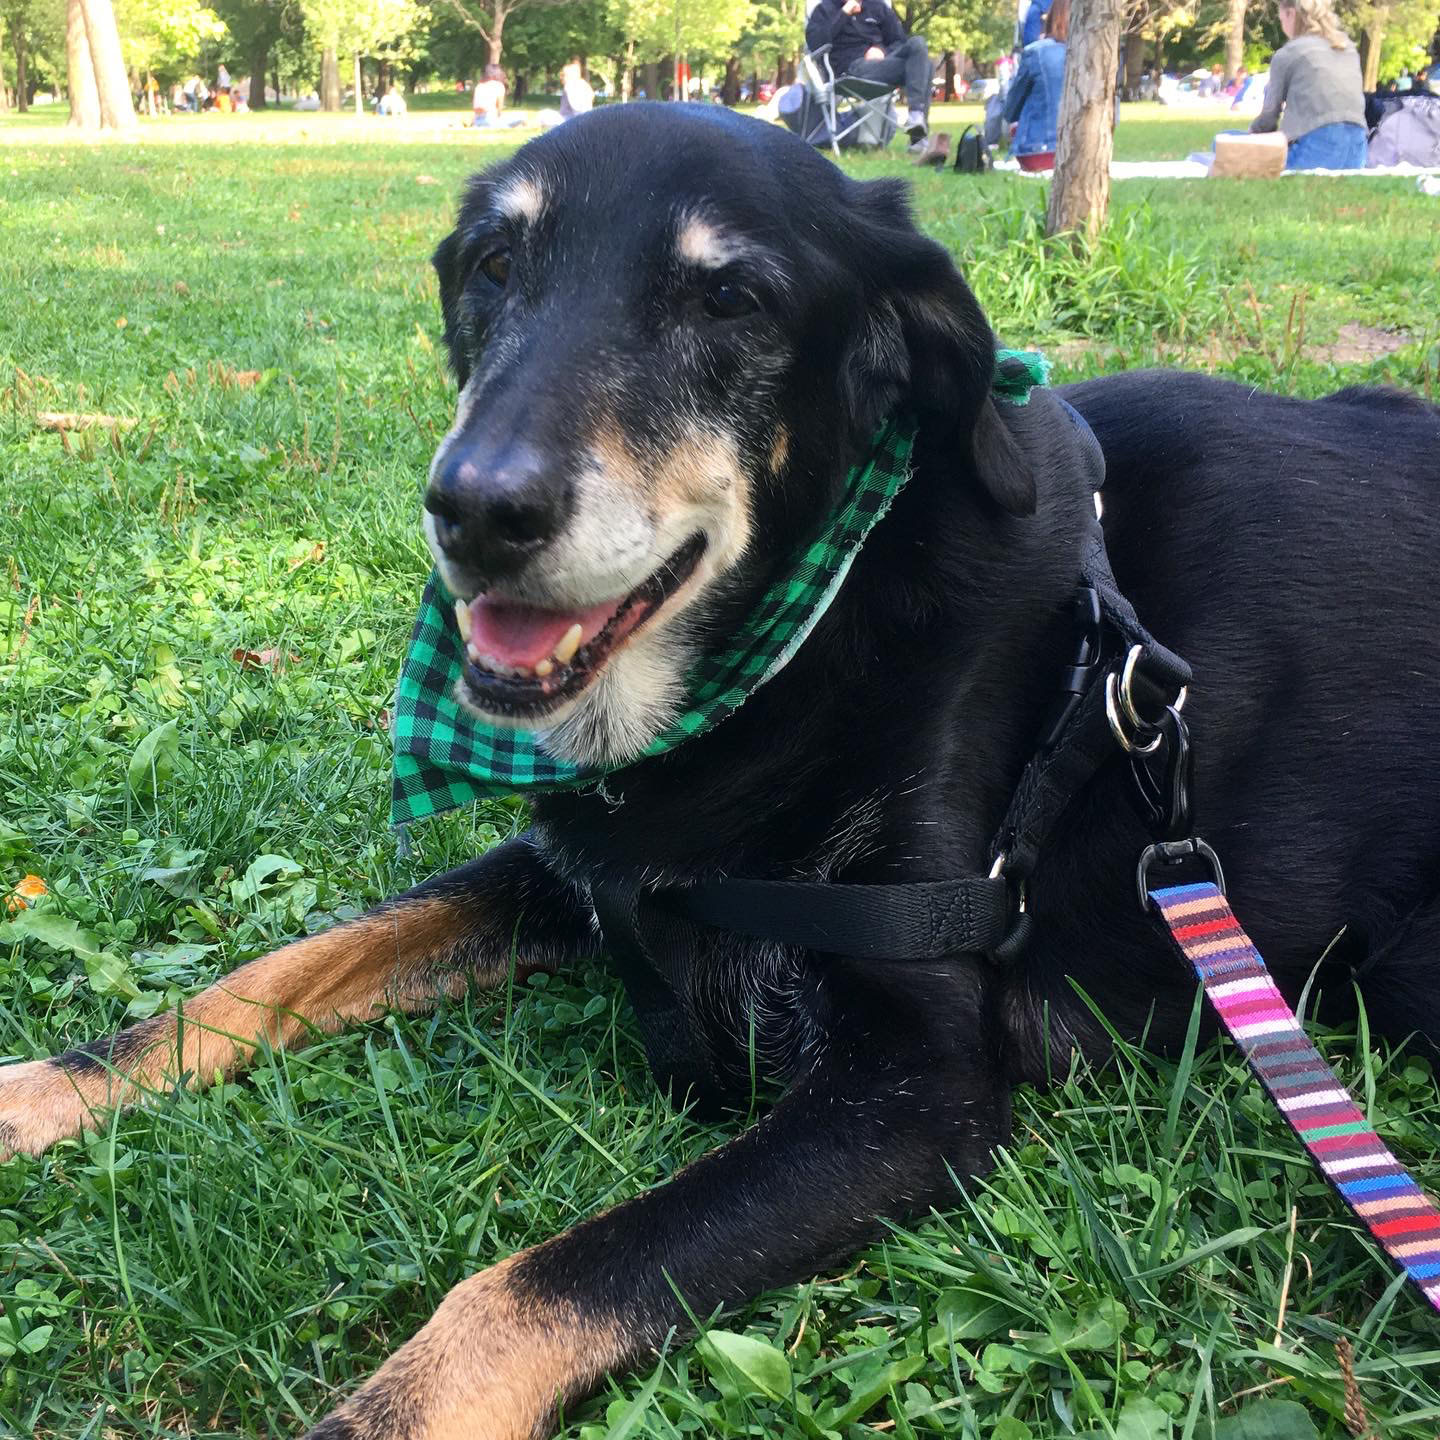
446	756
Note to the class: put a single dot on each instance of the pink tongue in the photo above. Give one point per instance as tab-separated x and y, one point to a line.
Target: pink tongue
521	636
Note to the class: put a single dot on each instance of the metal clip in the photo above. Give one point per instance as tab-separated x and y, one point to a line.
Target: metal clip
1175	852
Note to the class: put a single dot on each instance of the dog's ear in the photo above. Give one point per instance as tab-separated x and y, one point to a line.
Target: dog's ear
925	343
447	269
1002	463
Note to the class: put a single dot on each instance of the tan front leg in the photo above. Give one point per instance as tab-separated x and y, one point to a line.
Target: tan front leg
494	1362
451	932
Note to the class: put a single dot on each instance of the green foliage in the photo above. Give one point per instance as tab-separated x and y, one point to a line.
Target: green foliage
369	27
193	755
701	29
163	35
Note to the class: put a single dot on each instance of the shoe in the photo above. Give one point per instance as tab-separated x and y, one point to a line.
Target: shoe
935	151
917	128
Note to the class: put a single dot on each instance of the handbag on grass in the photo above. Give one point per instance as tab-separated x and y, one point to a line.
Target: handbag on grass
972	154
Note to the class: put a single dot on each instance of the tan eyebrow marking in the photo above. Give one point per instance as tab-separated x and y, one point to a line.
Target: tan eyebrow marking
521	199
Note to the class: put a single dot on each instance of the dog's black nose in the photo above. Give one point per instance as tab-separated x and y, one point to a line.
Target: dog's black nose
494	509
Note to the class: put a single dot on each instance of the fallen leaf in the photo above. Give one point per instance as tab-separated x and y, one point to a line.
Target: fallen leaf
263	659
32	887
75	420
181	288
121	323
314	555
426	180
244	379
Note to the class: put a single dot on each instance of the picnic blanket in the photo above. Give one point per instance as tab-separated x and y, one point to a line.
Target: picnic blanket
1196	170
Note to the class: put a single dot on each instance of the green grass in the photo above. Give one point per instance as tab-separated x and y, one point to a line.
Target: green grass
228	1263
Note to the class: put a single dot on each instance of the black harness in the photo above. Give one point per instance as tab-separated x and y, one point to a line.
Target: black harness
649	932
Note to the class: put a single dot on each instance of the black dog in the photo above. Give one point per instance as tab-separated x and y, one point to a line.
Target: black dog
676	331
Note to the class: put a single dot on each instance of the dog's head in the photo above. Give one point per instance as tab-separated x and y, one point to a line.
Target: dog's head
674	329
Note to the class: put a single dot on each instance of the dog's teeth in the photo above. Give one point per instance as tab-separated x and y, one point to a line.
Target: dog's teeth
462	620
569	644
472	652
544	667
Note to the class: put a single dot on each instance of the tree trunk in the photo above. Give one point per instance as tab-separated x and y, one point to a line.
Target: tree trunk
329	81
4	94
947	90
1235	39
80	70
1134	62
1080	193
117	109
650	80
359	87
22	74
1370	47
276	80
259	62
730	86
496	37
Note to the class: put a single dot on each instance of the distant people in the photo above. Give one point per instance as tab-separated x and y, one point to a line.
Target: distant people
1420	85
489	97
222	79
1032	27
867	41
1315	95
1033	102
391	104
308	102
1214	82
576	94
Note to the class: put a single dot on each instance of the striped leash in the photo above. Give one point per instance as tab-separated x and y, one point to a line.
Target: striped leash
1371	1181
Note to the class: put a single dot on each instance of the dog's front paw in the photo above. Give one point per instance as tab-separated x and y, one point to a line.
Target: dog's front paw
494	1363
39	1104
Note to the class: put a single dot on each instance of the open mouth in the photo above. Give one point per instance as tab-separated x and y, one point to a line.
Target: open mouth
522	661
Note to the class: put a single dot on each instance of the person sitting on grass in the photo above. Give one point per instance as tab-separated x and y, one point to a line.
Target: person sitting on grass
867	42
1032	104
489	97
1315	81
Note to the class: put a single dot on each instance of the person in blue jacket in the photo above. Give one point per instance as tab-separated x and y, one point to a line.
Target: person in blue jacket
866	40
1032	28
1034	97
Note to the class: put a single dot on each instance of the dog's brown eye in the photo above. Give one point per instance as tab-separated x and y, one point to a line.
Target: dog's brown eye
728	302
496	267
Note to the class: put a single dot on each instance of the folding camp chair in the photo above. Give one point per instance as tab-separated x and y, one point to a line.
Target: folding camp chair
847	105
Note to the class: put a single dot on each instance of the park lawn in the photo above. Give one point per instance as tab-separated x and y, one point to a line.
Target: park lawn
199	630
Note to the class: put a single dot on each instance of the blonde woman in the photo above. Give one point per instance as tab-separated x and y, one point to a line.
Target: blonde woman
1315	81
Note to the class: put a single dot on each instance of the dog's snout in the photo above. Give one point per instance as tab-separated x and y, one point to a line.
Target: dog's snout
494	509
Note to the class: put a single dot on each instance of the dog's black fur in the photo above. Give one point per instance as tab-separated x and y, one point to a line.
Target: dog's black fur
1263	538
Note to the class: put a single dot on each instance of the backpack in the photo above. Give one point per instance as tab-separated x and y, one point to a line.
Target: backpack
972	154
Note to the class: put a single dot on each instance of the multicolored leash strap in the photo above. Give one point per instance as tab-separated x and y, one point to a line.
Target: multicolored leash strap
1330	1125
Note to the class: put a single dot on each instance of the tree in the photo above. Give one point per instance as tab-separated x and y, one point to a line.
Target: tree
164	39
32	27
256	27
699	29
1080	193
1235	39
488	19
99	87
356	28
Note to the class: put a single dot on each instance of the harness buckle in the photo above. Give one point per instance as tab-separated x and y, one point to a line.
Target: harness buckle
1079	675
1175	852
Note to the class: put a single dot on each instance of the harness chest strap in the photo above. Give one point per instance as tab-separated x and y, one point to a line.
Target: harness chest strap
1331	1127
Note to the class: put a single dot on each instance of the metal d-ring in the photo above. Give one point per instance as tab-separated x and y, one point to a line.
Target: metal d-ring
1127	695
1117	727
1022	890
